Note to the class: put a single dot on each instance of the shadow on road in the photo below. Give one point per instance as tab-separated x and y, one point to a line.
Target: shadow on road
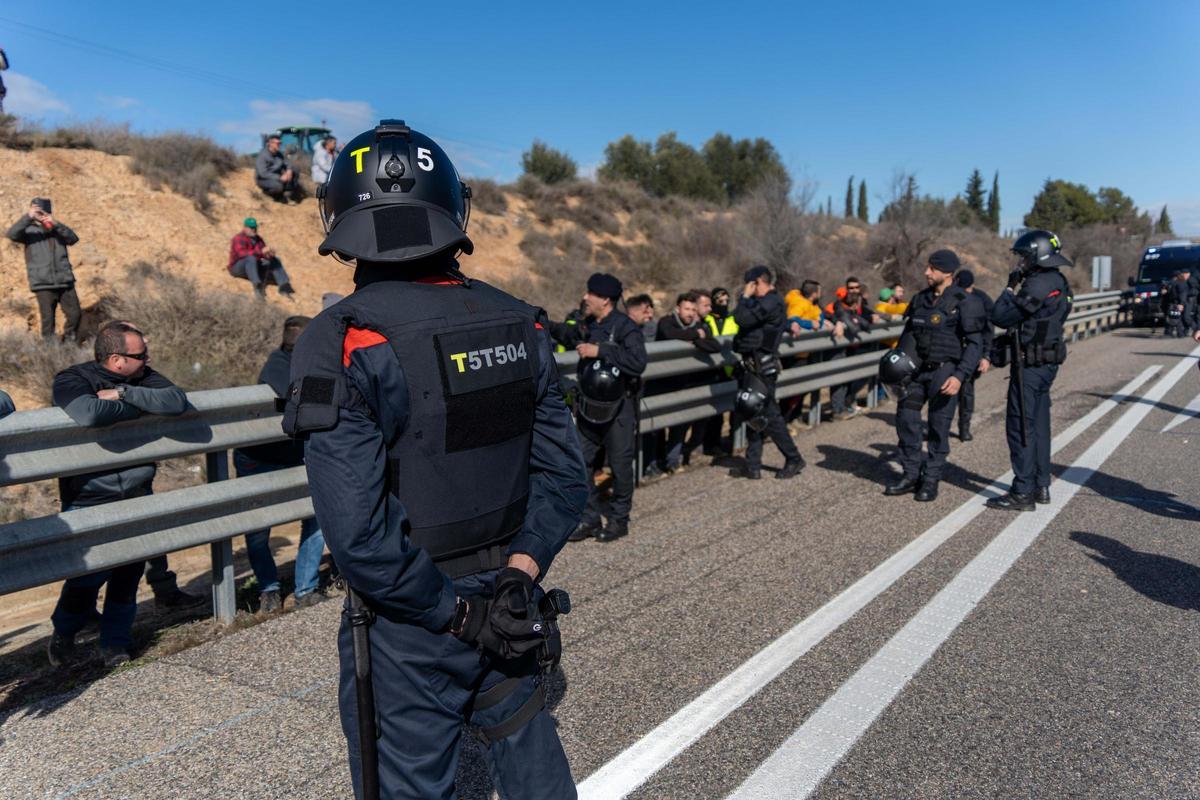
874	468
1161	578
1132	493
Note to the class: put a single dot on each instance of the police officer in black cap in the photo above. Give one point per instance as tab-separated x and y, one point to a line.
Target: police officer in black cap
965	280
446	473
1033	308
944	332
761	317
612	357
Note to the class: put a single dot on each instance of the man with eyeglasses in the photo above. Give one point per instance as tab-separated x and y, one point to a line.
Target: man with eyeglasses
118	385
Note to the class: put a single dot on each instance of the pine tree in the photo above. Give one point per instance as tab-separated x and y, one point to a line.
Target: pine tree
993	204
862	202
850	198
829	206
974	195
1164	224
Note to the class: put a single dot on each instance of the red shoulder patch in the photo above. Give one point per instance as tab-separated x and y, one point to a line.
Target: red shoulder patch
357	338
1055	293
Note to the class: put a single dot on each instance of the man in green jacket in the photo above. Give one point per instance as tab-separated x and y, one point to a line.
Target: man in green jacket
50	276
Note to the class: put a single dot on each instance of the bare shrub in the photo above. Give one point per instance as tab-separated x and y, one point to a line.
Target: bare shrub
574	243
199	338
487	196
189	165
32	362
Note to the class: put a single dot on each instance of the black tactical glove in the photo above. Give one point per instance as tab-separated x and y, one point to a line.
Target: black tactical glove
507	625
1015	277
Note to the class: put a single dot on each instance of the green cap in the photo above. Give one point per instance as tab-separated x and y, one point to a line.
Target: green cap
886	294
250	222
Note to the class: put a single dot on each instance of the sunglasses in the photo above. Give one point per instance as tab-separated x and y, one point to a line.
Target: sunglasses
142	356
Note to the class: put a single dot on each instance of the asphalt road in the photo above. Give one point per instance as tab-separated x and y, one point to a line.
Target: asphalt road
780	638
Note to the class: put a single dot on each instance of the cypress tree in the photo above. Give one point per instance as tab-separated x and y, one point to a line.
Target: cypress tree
829	206
974	195
1164	224
993	204
850	197
862	201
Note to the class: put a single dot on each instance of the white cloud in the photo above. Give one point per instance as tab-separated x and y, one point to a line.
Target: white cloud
346	118
30	98
117	101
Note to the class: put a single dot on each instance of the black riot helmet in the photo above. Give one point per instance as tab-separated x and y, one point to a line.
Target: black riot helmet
393	195
897	368
601	390
1039	248
750	404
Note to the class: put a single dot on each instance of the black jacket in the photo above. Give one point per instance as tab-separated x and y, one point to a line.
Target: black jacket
620	340
276	373
75	391
671	327
946	328
989	333
760	322
46	259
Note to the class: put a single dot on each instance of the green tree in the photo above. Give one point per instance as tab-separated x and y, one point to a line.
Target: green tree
993	204
1061	204
829	206
974	196
741	166
862	201
850	198
1116	207
548	164
1164	224
679	169
627	159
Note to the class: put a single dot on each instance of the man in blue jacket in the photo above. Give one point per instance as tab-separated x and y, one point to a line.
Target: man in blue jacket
446	474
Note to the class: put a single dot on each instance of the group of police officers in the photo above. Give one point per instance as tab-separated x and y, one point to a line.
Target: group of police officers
447	471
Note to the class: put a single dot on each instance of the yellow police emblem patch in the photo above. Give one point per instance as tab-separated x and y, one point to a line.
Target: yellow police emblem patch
935	319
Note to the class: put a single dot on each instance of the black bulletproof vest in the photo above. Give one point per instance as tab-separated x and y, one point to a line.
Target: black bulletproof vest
1044	329
469	355
935	325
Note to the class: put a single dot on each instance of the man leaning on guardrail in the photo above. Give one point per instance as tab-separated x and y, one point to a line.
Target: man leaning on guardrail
118	386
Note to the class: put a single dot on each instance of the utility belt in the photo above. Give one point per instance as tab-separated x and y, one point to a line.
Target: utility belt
764	365
1032	355
492	557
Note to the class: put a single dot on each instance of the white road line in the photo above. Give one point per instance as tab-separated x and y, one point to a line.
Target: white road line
637	763
802	762
1192	410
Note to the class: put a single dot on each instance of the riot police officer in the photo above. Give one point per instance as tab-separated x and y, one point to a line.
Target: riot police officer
965	280
1033	308
761	317
612	357
944	335
446	473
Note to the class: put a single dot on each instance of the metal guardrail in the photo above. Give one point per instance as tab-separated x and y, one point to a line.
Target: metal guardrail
46	443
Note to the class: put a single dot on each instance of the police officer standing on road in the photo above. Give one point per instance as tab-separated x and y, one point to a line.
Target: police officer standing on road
446	474
1033	308
761	317
612	358
944	336
965	280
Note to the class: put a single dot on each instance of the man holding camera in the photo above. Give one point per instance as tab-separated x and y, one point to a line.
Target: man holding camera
51	278
761	318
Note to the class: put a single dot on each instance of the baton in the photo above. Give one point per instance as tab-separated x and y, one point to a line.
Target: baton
368	746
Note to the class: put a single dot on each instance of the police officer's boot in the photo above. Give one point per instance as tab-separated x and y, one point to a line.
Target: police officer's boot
612	531
1042	495
752	473
902	486
927	492
586	530
964	431
1012	502
790	469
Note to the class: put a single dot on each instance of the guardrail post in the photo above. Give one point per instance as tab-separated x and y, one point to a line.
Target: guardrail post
738	438
224	590
872	393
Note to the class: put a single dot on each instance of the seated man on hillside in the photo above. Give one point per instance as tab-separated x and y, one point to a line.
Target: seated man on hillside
274	175
250	258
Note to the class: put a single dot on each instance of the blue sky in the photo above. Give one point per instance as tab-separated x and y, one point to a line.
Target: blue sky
1103	93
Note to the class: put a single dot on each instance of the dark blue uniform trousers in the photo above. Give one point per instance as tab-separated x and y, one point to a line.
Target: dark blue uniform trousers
617	440
926	388
423	682
1031	463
